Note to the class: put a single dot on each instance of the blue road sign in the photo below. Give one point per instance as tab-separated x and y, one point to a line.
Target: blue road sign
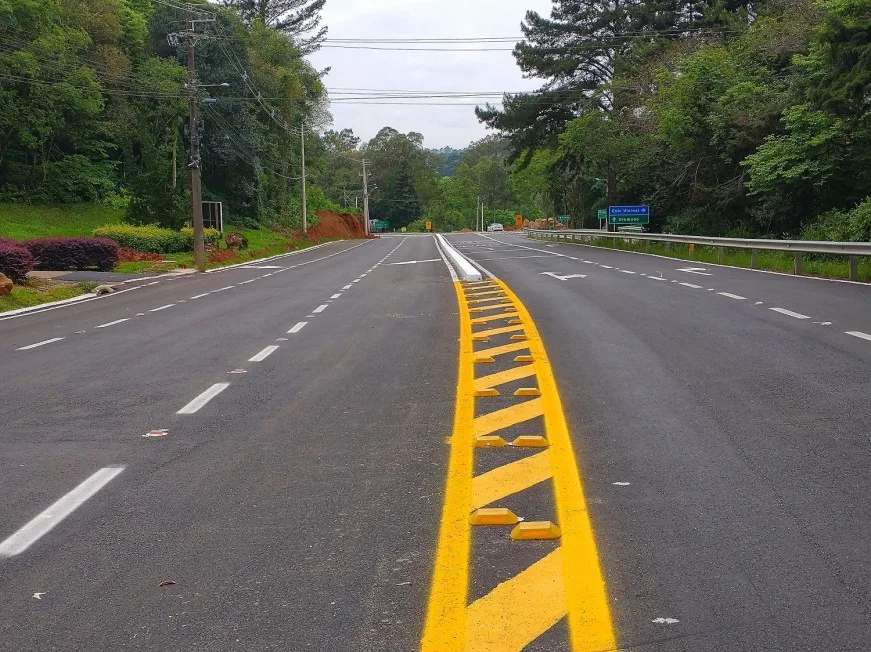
629	214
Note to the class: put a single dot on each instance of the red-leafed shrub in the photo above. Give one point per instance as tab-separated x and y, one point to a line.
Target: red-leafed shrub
74	253
128	255
15	260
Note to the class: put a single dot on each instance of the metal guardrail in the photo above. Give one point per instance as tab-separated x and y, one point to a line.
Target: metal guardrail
798	247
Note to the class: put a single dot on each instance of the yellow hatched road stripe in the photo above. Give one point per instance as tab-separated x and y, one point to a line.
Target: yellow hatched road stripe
489	318
520	610
487	424
507	348
568	582
498	331
507	376
509	479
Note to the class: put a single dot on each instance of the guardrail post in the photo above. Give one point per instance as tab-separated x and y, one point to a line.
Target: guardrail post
797	268
754	259
854	268
720	253
647	245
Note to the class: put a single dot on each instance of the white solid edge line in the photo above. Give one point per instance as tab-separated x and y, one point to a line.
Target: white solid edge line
112	323
169	305
320	308
203	398
50	517
737	297
790	313
33	346
860	335
265	353
297	328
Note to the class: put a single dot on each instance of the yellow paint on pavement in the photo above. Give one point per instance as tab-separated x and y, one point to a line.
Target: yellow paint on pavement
505	348
489	423
507	376
520	610
510	478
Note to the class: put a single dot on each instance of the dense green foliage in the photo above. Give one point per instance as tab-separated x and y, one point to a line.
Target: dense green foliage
93	108
725	117
154	238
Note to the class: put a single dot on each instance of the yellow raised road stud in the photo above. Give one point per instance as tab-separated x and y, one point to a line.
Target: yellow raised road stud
530	441
493	516
490	441
535	531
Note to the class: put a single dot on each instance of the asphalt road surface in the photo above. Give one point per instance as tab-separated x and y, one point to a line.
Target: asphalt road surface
260	458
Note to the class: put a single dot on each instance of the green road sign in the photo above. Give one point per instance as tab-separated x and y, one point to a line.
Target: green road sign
603	213
565	219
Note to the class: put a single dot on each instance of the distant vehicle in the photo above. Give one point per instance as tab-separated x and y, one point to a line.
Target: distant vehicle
495	227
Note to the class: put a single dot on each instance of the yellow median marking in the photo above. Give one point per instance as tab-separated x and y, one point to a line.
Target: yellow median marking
506	348
566	583
498	331
507	376
520	610
509	479
487	424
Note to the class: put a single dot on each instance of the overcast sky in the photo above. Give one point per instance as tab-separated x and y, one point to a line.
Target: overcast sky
424	71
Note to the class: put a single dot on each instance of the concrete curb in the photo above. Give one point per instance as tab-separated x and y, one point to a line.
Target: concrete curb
465	269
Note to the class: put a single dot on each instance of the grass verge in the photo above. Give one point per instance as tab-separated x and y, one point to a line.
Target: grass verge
37	292
21	222
823	266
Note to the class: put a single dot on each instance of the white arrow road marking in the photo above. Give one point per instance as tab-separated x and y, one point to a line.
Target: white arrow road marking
563	278
695	270
415	262
39	595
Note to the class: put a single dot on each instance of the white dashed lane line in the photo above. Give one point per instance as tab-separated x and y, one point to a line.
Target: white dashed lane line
860	335
38	344
320	308
229	287
201	400
169	305
298	327
692	285
626	271
347	287
336	296
265	353
49	518
790	313
737	297
112	323
200	296
356	280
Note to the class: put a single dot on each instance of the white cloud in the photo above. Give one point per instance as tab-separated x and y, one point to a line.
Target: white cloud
423	71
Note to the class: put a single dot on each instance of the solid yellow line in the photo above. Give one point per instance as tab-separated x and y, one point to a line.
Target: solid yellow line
489	423
505	348
589	615
519	610
511	478
445	627
507	376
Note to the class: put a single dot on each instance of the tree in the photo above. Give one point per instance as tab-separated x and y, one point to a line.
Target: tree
299	19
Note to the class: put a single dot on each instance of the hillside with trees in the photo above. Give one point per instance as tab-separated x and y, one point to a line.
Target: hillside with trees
727	118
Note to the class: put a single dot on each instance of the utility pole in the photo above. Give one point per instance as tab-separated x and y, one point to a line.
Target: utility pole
196	180
365	199
304	202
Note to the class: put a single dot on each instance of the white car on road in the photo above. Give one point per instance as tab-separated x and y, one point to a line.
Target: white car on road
495	227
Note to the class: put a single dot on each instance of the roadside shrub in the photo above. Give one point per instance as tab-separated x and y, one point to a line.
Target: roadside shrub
74	253
155	239
15	260
211	236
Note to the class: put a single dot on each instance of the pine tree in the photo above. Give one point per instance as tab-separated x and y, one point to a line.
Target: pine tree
299	19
